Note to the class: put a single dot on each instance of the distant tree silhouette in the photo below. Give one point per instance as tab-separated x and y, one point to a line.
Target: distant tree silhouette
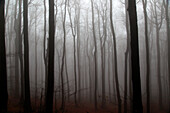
115	59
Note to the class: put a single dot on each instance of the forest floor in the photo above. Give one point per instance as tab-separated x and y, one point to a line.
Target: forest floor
87	107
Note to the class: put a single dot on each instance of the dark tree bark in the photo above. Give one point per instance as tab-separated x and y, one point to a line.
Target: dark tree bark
27	100
95	56
127	53
144	2
115	59
165	2
136	82
3	69
68	86
50	78
63	58
21	54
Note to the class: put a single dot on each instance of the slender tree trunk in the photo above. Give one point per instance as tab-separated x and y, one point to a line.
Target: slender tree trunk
75	73
3	69
95	57
109	65
147	56
68	86
158	56
36	44
45	49
27	99
126	57
166	2
115	59
50	78
78	54
136	82
63	57
102	61
158	67
20	54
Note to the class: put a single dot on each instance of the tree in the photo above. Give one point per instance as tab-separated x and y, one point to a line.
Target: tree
158	7
63	58
103	37
20	53
3	69
136	82
50	77
27	100
144	2
115	59
95	56
78	50
127	53
165	3
45	49
73	31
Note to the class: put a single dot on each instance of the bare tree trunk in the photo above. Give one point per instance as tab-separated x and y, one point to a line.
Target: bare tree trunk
68	86
78	53
102	61
136	82
50	78
27	99
158	26
73	31
166	2
109	65
36	44
75	73
126	57
95	56
63	57
144	2
21	54
115	59
3	69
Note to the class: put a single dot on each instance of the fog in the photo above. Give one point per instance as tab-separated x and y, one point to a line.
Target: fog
84	55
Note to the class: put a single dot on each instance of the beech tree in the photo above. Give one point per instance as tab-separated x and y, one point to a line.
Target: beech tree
115	59
95	55
136	82
50	77
27	99
3	69
144	2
